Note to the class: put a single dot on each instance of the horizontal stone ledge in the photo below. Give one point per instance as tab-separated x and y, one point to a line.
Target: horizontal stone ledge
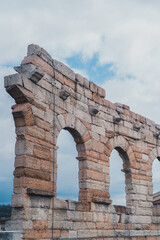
102	200
110	237
11	80
120	209
20	94
39	192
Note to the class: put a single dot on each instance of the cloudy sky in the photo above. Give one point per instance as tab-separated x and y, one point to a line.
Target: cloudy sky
114	43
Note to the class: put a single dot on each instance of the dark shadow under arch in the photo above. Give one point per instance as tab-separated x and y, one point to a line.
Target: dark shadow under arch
124	157
75	134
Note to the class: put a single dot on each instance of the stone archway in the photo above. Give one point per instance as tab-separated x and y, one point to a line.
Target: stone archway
126	153
81	136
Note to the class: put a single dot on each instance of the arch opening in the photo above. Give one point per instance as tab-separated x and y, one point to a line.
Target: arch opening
156	180
67	165
119	176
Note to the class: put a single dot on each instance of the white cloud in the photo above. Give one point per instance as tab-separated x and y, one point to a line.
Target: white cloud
124	33
142	96
4	179
119	199
82	72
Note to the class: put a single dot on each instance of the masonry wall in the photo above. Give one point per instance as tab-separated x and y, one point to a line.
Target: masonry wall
50	97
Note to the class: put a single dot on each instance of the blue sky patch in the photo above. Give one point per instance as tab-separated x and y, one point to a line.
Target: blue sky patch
96	72
6	191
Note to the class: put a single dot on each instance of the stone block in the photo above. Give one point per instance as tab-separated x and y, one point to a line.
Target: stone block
39	62
79	89
37	50
60	204
79	79
92	184
10	235
88	93
87	233
38	214
93	87
23	147
27	83
39	192
73	234
99	130
102	200
80	127
30	71
42	124
74	216
61	121
93	110
64	94
96	98
42	152
37	201
46	85
82	115
90	174
59	77
141	219
65	70
101	92
12	80
72	205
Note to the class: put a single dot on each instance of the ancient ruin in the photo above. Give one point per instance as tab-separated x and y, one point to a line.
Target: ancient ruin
50	97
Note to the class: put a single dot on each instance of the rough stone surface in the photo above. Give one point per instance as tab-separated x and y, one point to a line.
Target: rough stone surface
11	80
10	235
114	126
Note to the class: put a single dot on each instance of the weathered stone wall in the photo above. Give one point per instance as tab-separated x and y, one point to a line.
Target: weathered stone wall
50	97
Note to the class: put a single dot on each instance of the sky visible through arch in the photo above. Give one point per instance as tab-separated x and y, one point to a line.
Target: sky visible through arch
113	43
